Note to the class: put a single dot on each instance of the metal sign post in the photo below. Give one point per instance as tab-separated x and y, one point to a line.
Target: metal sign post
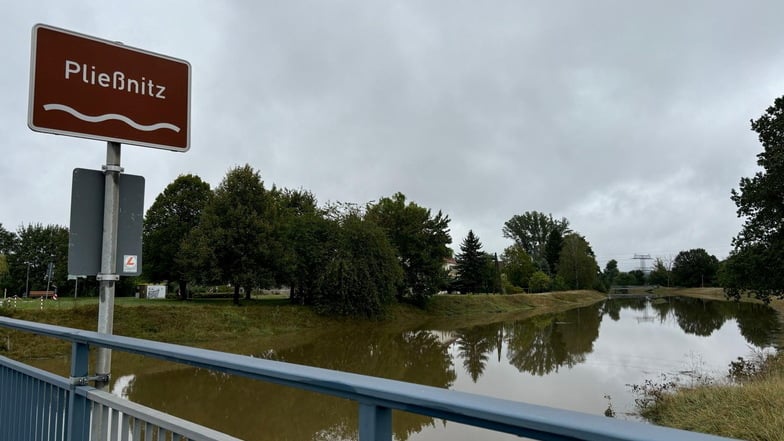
108	277
98	89
75	278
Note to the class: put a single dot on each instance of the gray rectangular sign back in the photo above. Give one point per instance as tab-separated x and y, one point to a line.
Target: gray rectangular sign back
86	229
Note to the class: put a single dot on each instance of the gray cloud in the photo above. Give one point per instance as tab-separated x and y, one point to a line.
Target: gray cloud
628	118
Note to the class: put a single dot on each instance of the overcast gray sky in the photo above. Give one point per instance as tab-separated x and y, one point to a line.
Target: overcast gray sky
629	118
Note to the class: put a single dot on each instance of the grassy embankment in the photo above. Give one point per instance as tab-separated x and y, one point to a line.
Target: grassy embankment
216	324
748	410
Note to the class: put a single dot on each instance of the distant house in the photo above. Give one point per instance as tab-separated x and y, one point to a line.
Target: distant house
450	265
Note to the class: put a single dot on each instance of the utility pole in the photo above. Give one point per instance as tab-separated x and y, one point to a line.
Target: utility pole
49	271
499	281
27	281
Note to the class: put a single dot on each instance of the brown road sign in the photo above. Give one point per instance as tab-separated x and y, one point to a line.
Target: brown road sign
92	88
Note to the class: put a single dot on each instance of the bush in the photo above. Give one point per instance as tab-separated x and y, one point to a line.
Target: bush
559	284
539	282
743	370
510	288
600	286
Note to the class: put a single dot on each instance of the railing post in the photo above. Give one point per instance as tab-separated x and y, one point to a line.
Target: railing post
375	423
78	406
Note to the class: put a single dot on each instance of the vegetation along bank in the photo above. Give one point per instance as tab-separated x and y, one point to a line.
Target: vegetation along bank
215	324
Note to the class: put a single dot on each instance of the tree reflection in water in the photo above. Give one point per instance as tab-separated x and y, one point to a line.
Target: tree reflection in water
475	346
758	323
538	346
252	409
542	344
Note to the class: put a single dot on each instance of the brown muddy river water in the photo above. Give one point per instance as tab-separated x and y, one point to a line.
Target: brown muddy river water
569	360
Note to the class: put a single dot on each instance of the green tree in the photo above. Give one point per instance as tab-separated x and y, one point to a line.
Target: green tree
235	240
492	281
694	267
312	239
471	264
7	240
530	231
577	266
660	274
639	277
756	264
558	284
610	273
626	279
298	202
552	250
362	275
170	219
539	282
5	274
518	266
314	242
7	245
37	247
299	214
420	241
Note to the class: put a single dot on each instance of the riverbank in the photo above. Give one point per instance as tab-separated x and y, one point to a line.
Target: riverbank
713	293
746	409
217	324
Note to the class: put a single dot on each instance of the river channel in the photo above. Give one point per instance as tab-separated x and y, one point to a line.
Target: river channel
574	360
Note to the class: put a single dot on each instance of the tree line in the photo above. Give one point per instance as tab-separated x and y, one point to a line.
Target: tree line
353	259
341	258
690	268
345	258
546	255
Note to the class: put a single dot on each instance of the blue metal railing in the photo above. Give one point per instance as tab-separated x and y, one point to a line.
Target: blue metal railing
376	397
39	406
33	403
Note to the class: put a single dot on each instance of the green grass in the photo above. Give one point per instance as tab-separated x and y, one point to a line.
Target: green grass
476	304
70	302
217	324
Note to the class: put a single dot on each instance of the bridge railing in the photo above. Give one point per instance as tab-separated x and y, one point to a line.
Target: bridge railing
33	403
377	397
116	419
38	405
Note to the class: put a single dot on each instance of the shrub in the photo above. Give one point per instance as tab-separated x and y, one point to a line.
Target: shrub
539	282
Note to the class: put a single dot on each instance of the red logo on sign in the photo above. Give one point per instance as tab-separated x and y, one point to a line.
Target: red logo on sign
87	87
